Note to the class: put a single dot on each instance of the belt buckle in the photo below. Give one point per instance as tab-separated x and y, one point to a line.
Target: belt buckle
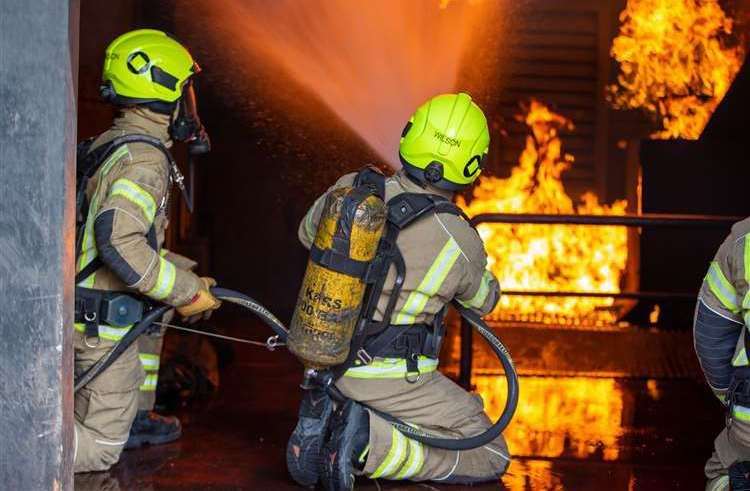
364	356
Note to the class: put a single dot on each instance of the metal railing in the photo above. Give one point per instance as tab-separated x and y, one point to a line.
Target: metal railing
647	220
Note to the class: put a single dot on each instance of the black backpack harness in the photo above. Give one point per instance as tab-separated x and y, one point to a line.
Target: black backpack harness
379	337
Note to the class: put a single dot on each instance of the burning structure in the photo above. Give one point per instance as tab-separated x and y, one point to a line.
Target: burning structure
677	60
549	257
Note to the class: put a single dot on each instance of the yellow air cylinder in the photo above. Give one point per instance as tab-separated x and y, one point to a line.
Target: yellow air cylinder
330	301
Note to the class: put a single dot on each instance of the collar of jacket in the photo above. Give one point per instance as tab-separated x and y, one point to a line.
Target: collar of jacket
143	121
412	187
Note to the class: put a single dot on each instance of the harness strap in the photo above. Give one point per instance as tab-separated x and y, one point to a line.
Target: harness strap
338	262
91	268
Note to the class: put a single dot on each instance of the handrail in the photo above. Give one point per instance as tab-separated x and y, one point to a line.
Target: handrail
641	220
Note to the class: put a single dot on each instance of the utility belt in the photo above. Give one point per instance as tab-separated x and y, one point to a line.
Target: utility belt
96	307
408	342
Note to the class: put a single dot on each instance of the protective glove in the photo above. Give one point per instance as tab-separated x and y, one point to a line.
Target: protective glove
202	304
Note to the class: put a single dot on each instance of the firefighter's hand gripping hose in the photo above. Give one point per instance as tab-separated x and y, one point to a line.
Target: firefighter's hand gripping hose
319	377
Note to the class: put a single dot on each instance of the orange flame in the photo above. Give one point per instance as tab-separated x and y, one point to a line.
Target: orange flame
549	257
560	416
677	60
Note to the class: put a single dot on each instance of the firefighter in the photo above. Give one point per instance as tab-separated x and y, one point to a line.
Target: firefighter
148	75
720	332
442	148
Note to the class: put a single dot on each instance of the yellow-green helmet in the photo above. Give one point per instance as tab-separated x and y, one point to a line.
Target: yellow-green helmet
445	142
146	66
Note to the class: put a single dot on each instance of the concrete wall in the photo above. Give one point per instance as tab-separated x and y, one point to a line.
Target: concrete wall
38	53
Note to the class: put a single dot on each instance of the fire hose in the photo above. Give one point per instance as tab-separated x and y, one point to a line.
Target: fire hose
326	381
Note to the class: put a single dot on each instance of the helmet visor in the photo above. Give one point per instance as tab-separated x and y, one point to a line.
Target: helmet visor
189	107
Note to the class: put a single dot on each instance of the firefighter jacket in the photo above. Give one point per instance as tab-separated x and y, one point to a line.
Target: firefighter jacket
126	220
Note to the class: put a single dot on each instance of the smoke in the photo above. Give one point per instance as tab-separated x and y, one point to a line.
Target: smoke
371	62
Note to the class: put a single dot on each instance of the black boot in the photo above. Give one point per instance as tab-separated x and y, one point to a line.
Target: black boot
739	476
344	451
304	446
150	428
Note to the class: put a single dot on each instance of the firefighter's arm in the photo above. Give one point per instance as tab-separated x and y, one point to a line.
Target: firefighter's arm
479	289
718	323
125	236
308	227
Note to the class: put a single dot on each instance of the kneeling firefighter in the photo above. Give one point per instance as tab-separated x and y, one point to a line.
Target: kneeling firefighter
387	256
722	320
124	178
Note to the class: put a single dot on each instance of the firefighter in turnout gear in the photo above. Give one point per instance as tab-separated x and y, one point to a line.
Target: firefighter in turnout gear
722	319
120	265
442	149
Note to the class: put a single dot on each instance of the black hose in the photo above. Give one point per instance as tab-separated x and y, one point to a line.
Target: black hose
278	327
112	355
422	436
222	293
241	299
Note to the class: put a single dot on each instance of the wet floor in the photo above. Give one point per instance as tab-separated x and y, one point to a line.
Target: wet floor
582	423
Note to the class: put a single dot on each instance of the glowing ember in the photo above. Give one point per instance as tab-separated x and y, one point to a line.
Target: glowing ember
549	257
677	61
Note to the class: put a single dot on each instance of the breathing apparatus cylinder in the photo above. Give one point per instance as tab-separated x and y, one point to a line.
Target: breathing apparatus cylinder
332	292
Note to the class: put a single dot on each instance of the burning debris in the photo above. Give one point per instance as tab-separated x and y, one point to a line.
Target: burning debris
549	257
677	60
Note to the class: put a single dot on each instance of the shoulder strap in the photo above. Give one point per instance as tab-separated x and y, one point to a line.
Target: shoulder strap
87	163
407	208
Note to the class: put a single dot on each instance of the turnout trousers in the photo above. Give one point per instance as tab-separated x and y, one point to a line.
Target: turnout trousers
105	408
433	403
733	443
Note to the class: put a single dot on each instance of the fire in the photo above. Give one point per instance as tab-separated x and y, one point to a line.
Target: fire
677	60
549	257
560	416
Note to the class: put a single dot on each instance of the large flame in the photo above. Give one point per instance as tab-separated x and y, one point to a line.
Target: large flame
549	257
560	416
677	60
